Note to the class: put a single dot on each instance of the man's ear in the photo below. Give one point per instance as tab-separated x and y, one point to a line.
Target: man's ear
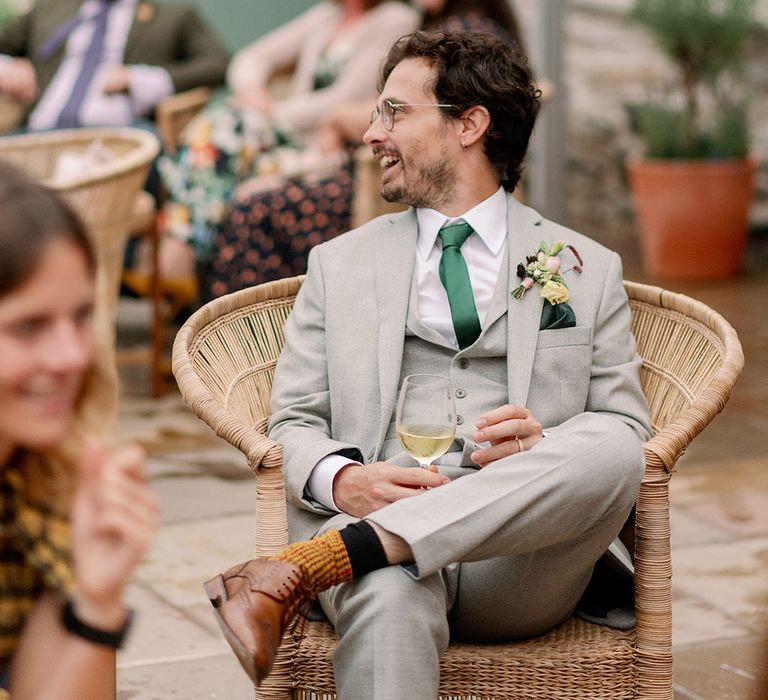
473	125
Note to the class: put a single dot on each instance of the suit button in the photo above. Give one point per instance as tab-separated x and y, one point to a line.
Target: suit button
459	420
460	393
463	363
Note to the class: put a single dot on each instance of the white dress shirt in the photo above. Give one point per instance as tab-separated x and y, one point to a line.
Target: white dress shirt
483	251
148	84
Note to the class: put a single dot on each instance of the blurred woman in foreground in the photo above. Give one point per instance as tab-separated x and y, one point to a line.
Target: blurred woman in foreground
75	517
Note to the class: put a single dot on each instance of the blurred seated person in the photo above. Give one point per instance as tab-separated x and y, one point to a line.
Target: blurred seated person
104	62
268	234
336	47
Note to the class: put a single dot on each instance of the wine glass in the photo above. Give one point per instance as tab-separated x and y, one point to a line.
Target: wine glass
426	417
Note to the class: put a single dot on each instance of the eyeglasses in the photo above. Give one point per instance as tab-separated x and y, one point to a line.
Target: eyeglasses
388	109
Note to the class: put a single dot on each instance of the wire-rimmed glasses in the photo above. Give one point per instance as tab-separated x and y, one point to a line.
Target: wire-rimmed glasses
388	108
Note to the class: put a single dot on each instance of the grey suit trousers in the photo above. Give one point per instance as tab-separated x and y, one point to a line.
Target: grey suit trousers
502	553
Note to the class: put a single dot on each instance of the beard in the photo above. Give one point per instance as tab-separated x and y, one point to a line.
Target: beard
428	186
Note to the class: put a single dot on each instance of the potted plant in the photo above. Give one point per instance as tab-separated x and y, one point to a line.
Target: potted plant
693	187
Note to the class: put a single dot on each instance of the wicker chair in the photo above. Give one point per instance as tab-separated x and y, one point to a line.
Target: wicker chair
107	198
224	357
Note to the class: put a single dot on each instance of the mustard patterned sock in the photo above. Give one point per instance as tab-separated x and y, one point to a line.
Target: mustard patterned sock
323	559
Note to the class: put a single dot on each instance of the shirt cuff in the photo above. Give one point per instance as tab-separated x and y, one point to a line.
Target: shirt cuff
148	86
320	482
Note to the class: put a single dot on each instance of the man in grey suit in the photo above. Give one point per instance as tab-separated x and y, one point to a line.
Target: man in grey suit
499	540
104	62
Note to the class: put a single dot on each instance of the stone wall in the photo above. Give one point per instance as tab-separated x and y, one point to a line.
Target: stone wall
610	62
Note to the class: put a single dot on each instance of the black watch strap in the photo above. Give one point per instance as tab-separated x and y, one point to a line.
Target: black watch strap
72	623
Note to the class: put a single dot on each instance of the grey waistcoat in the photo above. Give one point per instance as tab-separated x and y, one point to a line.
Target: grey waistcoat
478	374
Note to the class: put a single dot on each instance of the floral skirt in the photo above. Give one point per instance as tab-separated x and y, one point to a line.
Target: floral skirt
221	147
269	235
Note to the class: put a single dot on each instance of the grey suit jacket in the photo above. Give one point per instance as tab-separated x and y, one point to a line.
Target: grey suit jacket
171	36
337	379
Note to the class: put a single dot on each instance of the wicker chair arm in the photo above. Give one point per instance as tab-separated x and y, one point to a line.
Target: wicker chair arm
11	114
175	112
260	451
670	442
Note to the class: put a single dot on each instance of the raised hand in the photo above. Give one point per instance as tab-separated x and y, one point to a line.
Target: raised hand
507	428
114	516
360	490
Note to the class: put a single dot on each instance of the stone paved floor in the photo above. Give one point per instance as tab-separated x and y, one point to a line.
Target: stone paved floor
719	532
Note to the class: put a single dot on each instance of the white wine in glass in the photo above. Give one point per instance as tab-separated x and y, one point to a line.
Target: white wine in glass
426	417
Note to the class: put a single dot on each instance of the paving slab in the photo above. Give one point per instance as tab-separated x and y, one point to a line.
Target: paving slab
689	529
190	498
730	576
696	621
729	670
185	554
734	433
213	677
701	480
221	460
162	631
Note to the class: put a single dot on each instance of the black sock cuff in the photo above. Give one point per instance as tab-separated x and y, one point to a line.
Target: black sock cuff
364	548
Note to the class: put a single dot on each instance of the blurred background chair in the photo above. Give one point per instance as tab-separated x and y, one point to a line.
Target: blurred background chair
11	114
108	198
171	116
224	358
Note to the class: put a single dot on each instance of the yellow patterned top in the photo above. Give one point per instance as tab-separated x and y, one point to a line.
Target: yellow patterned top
34	555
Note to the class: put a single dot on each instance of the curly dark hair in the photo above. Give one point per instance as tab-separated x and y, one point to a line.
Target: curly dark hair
475	68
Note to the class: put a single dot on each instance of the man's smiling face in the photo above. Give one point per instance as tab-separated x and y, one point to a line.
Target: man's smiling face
420	154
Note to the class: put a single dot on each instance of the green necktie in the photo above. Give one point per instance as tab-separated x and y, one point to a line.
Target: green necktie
455	278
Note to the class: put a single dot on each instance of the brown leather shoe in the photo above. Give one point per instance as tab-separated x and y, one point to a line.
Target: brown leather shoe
254	602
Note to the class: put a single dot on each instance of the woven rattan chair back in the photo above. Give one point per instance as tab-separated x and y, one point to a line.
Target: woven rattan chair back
104	198
223	359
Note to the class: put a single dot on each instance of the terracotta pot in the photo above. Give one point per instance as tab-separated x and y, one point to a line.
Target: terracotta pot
692	215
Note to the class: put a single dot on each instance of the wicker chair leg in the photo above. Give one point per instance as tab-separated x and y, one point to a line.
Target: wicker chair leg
653	594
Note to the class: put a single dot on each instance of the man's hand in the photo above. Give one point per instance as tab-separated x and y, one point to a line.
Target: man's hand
253	97
117	80
360	490
503	427
18	80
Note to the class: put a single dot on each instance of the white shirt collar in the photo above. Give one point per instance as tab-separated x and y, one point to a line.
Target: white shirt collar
488	219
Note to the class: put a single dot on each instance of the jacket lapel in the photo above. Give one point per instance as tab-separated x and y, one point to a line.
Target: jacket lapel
394	253
523	315
144	15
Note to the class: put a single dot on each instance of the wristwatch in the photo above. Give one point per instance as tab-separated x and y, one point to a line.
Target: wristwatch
115	638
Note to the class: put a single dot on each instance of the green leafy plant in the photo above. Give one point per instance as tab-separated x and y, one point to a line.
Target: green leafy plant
706	40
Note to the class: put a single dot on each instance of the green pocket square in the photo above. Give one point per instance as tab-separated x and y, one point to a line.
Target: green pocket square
556	316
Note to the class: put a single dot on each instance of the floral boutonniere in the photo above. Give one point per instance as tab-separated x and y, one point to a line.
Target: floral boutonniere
544	268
